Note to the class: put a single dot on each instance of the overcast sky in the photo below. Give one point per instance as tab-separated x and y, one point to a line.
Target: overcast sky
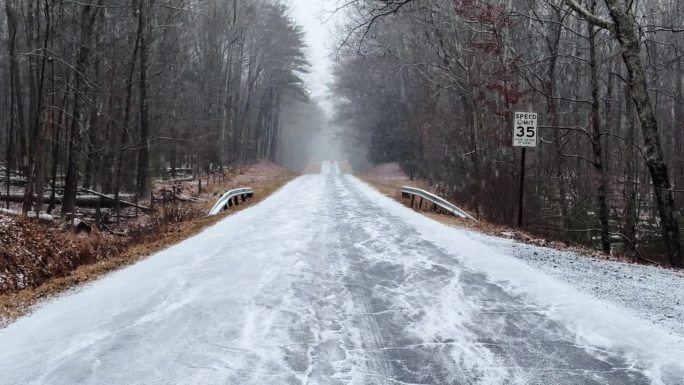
311	15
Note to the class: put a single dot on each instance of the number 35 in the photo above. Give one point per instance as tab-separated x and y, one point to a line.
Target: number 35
521	132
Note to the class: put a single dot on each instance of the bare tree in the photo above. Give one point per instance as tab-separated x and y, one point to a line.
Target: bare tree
431	85
109	95
626	30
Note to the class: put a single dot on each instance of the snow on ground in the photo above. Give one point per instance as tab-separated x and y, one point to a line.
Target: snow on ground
330	167
654	293
330	282
596	320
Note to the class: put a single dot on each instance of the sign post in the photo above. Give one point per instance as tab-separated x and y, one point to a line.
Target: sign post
524	135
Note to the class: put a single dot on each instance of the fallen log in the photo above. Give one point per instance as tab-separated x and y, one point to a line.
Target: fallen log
19	197
92	199
14	181
111	199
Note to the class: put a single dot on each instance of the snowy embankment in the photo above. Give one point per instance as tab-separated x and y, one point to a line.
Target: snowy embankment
586	296
653	293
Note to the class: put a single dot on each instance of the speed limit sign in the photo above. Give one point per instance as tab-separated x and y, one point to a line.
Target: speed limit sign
525	129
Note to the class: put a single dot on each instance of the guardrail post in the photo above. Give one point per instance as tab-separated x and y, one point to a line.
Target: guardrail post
439	204
231	198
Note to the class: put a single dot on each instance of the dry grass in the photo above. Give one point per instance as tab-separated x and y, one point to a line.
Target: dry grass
313	168
108	253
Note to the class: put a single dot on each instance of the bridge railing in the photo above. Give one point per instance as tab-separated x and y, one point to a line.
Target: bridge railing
231	198
413	192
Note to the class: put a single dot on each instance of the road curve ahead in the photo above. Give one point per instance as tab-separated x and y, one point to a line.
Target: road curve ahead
328	282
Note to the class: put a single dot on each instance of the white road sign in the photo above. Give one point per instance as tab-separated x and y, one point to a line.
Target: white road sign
525	129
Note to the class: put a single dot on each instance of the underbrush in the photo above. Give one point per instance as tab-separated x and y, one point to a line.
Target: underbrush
34	253
391	187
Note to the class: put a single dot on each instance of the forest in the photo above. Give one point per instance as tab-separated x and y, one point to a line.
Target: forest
433	85
107	96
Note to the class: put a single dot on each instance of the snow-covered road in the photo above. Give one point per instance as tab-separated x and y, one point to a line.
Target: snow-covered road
329	282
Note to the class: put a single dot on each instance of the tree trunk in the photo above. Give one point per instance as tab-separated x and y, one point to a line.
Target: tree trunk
627	32
596	139
679	134
88	17
40	162
473	120
143	151
630	176
118	170
12	31
57	137
37	162
238	132
554	112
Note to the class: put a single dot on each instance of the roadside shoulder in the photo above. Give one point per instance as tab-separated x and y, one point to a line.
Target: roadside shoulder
105	253
652	292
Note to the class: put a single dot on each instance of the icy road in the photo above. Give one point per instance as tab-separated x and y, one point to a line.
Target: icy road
329	282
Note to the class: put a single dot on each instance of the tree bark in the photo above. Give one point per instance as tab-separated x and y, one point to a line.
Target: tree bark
596	139
88	18
554	112
143	151
118	171
17	104
11	42
630	176
679	134
36	174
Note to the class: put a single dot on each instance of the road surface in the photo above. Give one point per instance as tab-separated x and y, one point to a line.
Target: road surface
328	282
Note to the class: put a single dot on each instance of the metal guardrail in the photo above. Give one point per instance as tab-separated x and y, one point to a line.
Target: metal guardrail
407	191
231	198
